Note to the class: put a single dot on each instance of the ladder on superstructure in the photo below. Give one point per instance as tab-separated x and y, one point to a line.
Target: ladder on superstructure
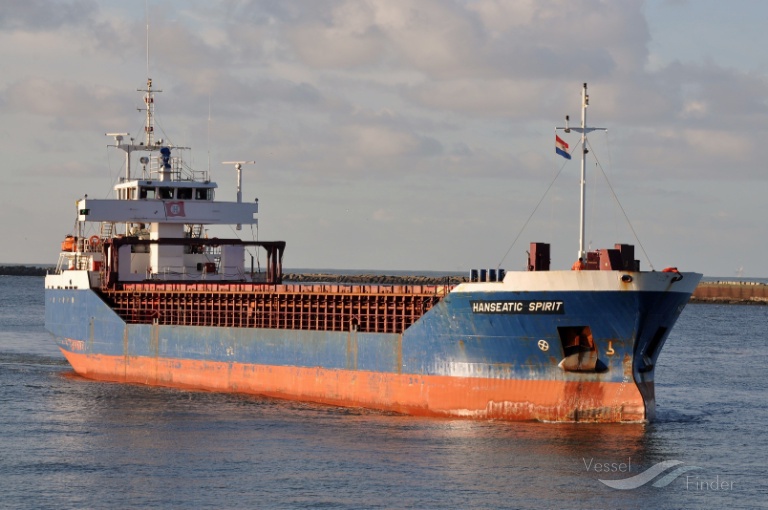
106	230
196	230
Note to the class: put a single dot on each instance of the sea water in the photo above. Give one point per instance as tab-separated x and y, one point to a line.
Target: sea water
67	442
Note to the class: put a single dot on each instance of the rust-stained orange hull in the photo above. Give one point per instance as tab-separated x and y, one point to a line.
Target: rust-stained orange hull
424	395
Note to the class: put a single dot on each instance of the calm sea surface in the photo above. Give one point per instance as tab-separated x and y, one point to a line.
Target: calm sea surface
66	442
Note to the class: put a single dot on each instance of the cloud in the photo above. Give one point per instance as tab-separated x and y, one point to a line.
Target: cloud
42	15
482	98
383	215
484	39
377	141
64	103
446	107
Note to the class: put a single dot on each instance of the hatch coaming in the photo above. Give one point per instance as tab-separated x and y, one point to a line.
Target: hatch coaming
316	307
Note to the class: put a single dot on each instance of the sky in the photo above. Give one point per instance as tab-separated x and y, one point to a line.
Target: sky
405	135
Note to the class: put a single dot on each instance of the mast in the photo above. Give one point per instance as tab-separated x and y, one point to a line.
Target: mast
149	129
149	100
582	207
583	199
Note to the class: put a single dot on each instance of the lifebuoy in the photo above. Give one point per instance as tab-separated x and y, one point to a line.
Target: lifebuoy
678	275
95	241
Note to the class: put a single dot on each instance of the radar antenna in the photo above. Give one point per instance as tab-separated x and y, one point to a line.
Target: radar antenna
239	167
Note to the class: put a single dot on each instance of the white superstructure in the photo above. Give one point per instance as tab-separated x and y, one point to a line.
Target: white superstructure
153	227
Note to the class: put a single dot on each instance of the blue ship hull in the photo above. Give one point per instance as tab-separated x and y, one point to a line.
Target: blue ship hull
482	352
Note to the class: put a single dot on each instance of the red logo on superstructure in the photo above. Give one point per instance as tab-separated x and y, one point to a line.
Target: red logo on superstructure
174	209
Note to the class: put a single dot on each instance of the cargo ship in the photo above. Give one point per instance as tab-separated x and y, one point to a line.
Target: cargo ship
142	295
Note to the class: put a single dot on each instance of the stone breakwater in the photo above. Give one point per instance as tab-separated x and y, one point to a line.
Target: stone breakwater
742	293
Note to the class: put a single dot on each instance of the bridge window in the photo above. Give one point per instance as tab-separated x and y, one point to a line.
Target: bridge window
184	193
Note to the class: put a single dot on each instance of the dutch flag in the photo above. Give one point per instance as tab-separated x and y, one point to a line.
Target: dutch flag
561	147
